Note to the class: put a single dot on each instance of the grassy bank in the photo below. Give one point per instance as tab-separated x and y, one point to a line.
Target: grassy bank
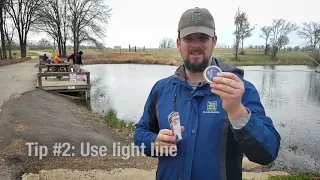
16	58
297	177
13	61
315	56
121	124
172	57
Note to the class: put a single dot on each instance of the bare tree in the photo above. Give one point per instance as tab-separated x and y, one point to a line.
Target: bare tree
239	25
246	33
23	14
9	34
266	32
246	30
88	18
43	44
243	30
280	31
283	41
310	32
53	21
166	43
3	39
85	37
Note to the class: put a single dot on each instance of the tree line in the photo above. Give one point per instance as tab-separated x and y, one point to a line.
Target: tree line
275	35
76	21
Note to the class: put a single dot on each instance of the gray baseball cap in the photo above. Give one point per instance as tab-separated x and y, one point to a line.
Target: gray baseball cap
196	20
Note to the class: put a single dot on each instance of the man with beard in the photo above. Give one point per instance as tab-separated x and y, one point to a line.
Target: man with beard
221	120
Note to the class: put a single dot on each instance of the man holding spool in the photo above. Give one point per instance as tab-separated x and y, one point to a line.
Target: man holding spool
220	113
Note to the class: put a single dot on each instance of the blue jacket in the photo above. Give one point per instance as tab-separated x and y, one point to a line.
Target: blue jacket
212	148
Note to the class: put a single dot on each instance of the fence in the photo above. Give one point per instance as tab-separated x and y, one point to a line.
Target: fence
135	48
120	49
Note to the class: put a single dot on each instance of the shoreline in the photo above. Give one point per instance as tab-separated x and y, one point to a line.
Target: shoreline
89	62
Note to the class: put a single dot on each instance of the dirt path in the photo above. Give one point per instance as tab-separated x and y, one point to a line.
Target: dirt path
45	118
16	79
30	115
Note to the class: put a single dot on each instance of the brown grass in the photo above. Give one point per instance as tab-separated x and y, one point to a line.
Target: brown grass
13	61
172	57
140	57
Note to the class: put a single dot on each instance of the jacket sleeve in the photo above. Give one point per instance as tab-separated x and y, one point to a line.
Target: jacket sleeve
258	139
147	128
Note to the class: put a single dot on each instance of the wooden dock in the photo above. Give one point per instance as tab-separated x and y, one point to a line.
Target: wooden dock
75	85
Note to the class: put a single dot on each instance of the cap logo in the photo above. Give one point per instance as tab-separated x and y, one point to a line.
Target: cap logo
196	16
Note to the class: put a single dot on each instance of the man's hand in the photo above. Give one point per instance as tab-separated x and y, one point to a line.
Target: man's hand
230	88
165	142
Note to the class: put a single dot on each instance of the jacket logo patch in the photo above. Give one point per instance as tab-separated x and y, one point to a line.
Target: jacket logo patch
212	107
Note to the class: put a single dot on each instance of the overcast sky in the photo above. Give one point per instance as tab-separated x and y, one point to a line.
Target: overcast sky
145	22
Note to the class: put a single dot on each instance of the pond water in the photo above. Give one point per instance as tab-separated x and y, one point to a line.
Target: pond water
290	95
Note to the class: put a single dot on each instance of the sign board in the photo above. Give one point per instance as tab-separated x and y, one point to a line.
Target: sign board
77	76
73	76
81	76
118	47
71	87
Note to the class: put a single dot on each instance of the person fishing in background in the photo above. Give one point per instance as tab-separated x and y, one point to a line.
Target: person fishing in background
73	56
78	61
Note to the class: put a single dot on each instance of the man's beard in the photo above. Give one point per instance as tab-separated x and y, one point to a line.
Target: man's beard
195	67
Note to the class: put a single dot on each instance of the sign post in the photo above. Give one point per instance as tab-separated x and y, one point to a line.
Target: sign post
118	47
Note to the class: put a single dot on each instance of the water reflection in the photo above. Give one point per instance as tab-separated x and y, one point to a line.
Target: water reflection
292	99
127	87
290	95
100	99
314	90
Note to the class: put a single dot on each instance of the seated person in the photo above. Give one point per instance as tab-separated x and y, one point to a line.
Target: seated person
46	58
57	59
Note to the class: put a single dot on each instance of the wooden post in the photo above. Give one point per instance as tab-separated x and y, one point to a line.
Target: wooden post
89	89
129	47
88	94
88	78
135	48
39	81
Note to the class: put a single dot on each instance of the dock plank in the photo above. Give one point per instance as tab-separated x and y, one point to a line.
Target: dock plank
59	82
64	81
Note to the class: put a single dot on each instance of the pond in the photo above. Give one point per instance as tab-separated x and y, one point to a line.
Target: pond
290	95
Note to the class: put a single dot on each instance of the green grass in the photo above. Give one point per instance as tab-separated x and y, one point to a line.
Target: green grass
252	58
112	120
293	147
16	54
302	176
